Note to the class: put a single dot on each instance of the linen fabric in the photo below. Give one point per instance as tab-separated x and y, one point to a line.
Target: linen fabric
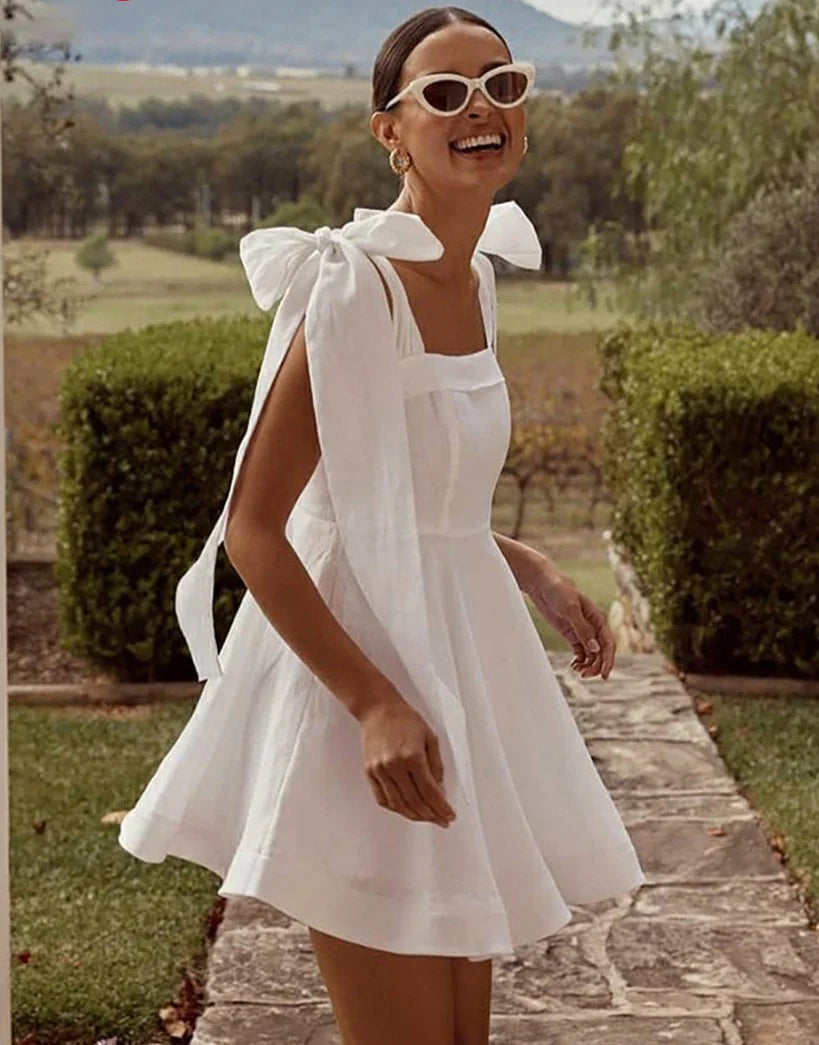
266	784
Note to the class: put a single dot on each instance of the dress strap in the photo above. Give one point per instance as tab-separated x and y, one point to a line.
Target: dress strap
407	339
407	335
488	295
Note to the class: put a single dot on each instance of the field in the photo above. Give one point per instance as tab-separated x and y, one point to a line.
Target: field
129	87
150	285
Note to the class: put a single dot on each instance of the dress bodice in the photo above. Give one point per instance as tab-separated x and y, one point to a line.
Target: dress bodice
458	419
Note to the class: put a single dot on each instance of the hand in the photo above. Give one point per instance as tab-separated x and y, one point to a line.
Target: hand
403	763
575	616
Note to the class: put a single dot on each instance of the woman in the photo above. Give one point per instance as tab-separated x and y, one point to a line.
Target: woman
386	754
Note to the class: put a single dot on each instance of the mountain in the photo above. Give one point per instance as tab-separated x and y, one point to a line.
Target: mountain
322	34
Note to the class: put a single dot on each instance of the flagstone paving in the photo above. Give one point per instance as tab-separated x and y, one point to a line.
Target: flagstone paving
715	948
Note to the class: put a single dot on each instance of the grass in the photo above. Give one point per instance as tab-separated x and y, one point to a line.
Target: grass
150	285
771	746
527	306
99	940
146	285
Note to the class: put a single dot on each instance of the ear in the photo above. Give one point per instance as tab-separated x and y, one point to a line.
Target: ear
384	128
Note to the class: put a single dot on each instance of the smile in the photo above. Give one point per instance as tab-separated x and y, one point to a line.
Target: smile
479	143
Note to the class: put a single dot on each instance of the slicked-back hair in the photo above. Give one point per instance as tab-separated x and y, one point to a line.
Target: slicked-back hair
403	40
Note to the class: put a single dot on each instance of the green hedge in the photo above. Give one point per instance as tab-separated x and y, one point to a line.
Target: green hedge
711	457
150	422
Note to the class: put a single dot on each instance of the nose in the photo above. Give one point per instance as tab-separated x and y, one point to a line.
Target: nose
478	104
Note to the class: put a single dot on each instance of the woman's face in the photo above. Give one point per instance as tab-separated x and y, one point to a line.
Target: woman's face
470	50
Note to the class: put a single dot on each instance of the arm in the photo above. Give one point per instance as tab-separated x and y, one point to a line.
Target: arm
256	544
401	755
565	607
524	562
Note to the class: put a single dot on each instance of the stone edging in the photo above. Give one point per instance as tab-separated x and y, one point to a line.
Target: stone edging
630	613
630	620
95	693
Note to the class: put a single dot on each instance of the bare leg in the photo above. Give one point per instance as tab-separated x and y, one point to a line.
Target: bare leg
473	1000
381	997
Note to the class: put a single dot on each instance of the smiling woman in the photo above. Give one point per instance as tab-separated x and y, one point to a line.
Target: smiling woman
416	68
382	750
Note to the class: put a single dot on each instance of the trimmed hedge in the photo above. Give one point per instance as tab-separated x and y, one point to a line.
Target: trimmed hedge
711	456
150	422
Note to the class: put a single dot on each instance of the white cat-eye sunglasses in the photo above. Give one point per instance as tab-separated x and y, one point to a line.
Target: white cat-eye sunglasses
447	94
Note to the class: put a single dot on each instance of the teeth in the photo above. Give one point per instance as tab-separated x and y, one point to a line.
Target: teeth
481	139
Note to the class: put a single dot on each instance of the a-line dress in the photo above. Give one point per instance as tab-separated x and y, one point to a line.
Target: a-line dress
266	785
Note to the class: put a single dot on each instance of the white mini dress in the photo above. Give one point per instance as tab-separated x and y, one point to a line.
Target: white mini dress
266	786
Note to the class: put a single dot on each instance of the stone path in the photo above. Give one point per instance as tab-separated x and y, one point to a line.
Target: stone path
713	950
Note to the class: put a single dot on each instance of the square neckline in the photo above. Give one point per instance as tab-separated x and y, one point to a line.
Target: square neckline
486	316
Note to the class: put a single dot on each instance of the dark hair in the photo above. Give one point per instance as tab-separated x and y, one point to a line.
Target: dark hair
398	46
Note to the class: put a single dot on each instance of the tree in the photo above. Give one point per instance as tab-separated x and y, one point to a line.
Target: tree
259	156
95	254
766	271
728	107
47	118
567	182
347	168
29	292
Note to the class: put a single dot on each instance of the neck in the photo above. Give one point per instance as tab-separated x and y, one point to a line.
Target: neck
458	223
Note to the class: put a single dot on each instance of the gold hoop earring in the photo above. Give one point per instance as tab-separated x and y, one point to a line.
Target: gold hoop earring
399	164
525	144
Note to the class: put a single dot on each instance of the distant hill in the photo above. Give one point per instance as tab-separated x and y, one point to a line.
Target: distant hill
322	34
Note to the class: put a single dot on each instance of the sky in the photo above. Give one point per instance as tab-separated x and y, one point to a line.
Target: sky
597	11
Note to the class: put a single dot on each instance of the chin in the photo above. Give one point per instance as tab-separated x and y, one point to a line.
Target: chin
496	178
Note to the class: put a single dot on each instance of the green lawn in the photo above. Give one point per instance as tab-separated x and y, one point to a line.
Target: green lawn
528	306
150	285
146	285
771	745
99	940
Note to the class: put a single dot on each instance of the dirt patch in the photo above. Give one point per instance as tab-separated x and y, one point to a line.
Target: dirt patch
34	650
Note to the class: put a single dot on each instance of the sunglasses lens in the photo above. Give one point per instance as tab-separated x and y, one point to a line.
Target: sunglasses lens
506	88
445	95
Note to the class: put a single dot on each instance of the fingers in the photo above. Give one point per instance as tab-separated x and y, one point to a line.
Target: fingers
412	796
430	795
609	650
594	653
408	787
397	801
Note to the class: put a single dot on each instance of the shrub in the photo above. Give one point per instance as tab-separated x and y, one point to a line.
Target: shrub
166	239
305	213
212	243
215	244
710	454
150	422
